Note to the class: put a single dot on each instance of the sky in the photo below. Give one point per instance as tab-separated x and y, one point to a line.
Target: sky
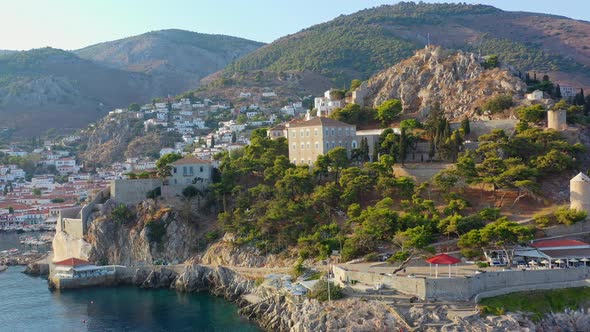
73	24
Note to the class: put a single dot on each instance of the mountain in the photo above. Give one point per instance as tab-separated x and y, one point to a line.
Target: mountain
51	88
457	81
180	58
363	43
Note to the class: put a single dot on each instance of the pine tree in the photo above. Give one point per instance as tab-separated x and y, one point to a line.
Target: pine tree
403	142
364	150
375	156
212	141
465	126
557	93
234	137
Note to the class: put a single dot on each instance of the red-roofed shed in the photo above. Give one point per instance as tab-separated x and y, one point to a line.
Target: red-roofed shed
73	262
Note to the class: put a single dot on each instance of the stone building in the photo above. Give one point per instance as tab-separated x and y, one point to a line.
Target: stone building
312	138
580	192
277	131
557	119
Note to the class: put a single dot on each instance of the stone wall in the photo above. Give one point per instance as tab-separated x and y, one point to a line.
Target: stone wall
466	288
419	172
406	285
132	192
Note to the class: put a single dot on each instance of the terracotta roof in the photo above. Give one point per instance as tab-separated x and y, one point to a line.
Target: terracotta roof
190	160
72	262
443	259
320	121
559	243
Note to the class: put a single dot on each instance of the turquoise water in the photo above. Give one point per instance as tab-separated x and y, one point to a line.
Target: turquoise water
27	305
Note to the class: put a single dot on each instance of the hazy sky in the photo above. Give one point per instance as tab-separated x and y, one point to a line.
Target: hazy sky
72	24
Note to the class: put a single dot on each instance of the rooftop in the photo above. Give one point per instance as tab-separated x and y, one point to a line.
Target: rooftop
72	262
190	160
559	243
581	177
320	121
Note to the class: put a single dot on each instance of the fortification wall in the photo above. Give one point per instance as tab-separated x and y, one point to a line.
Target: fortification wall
406	285
465	288
419	172
580	195
557	119
131	192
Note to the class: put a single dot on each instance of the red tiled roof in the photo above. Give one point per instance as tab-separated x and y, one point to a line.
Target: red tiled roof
72	262
559	243
443	259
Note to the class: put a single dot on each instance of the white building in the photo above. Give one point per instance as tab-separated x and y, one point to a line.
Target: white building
326	105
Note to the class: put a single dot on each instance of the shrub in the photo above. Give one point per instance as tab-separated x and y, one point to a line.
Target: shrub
320	291
211	236
155	193
569	216
298	268
58	200
122	214
544	219
371	257
498	104
156	230
470	253
482	265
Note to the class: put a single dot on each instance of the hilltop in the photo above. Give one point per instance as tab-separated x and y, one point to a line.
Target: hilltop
178	57
457	81
361	44
52	88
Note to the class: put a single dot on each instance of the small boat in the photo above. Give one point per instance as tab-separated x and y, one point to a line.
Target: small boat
13	251
3	268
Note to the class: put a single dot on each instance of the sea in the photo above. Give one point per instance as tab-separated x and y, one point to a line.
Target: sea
26	304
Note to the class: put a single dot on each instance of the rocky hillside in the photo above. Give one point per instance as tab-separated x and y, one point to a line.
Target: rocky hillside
51	88
47	88
456	80
117	137
361	44
179	58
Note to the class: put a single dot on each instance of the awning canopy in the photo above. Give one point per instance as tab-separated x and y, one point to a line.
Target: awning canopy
443	259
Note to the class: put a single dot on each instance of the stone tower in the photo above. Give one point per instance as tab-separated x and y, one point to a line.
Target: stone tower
557	119
580	192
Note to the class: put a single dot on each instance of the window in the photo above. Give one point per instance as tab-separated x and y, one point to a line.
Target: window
294	133
174	170
307	133
327	146
309	161
190	170
201	169
340	143
354	144
317	145
302	133
327	132
175	182
307	145
294	146
294	161
315	131
184	170
302	146
339	131
302	161
332	131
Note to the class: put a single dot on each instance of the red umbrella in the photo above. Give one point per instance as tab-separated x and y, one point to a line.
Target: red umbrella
443	259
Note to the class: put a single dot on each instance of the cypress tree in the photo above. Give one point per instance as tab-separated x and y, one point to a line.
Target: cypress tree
375	153
557	93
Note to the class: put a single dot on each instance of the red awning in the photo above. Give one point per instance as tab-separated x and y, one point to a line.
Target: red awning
72	262
443	259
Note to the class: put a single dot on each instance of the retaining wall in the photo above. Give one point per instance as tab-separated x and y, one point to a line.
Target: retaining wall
465	288
132	192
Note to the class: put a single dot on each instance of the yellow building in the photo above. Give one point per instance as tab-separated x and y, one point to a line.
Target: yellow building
311	138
